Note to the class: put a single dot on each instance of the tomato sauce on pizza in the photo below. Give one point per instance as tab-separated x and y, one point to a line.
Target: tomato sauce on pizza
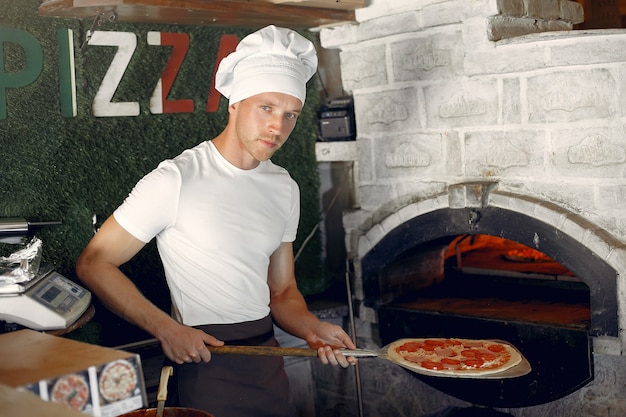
457	357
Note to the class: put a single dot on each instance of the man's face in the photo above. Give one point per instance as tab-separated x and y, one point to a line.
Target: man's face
264	122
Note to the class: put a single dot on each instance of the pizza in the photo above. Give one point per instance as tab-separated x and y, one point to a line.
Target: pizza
526	255
71	390
454	357
117	380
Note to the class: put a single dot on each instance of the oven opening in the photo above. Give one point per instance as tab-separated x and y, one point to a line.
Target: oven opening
488	277
479	286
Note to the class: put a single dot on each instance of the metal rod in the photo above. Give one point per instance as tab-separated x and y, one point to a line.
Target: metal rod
44	224
13	227
357	373
17	226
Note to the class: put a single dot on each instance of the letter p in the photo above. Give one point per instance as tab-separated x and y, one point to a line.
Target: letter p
30	69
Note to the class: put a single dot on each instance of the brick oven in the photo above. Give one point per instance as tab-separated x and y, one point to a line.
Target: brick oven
479	119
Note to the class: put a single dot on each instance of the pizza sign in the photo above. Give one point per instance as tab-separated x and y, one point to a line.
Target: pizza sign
126	44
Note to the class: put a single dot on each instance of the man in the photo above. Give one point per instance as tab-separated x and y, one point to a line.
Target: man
224	217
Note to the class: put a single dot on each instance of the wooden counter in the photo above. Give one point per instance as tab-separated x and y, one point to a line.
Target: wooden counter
95	380
16	403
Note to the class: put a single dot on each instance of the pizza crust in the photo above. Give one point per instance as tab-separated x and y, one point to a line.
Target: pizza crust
516	359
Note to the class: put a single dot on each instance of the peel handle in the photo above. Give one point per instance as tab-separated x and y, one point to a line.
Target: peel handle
262	351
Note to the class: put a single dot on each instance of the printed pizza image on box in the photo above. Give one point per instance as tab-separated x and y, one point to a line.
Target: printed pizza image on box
72	390
119	386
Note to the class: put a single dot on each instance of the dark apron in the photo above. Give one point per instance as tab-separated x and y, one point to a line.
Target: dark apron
237	385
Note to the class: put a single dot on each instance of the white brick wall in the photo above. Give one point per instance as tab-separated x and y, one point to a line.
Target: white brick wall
439	102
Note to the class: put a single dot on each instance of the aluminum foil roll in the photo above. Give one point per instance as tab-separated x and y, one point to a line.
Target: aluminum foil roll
22	265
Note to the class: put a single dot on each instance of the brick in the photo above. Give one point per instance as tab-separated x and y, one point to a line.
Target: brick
601	48
589	152
611	196
568	96
409	156
511	101
374	196
471	103
457	197
363	67
422	191
387	111
621	92
563	192
378	8
517	153
505	27
337	36
457	11
511	7
473	194
571	11
550	213
554	25
389	25
353	219
543	9
391	222
428	57
453	154
365	159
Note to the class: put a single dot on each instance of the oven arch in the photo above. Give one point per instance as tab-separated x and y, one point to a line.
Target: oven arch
591	253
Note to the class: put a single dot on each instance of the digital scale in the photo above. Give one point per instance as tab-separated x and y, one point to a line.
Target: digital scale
49	301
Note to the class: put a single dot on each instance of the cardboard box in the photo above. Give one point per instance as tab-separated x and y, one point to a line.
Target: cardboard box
16	403
94	380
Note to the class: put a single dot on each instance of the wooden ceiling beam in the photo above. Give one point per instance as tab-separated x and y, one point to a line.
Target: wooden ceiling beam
225	13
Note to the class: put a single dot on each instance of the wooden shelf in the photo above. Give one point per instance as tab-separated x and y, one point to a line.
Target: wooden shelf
224	13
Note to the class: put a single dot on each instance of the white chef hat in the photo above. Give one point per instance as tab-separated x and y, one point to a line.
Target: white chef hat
273	59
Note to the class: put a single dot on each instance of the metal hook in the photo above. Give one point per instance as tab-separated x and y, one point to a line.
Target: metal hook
98	20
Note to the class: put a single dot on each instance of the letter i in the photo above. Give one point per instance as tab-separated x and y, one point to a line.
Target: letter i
67	72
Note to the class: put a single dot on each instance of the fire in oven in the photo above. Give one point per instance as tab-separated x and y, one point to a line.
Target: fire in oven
501	275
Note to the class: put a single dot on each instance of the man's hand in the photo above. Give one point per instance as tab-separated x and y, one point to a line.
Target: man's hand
184	344
328	355
328	339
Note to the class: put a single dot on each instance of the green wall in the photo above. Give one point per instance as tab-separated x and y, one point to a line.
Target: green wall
70	168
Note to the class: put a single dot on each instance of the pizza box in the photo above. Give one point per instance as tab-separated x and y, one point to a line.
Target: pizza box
324	4
15	403
97	381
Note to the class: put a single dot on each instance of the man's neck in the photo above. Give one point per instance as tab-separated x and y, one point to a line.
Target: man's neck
229	147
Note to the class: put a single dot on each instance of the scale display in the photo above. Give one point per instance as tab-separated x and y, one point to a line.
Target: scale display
53	302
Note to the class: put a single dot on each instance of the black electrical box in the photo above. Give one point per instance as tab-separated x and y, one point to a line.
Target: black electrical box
336	120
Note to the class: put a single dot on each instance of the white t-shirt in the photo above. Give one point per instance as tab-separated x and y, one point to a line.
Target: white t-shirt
216	226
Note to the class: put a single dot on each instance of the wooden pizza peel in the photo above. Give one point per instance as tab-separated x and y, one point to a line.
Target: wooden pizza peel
522	368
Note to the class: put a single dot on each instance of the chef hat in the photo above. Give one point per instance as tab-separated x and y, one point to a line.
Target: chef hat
272	59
